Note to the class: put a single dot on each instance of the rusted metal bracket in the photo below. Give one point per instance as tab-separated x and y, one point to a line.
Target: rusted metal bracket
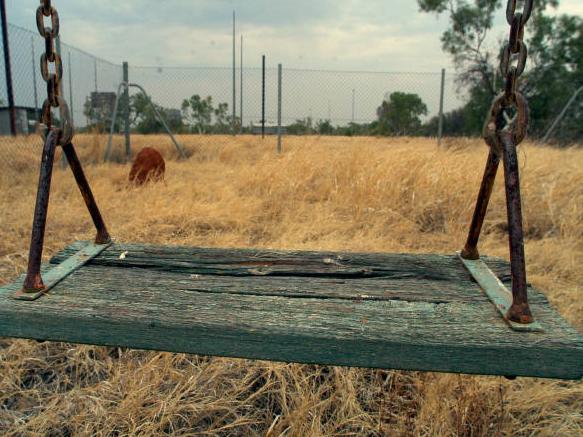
34	286
502	142
62	270
497	292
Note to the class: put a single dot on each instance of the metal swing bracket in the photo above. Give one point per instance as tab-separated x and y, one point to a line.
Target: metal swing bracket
503	138
64	269
497	292
505	128
34	285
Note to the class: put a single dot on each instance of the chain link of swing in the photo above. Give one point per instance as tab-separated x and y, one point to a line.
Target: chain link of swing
511	99
53	76
515	46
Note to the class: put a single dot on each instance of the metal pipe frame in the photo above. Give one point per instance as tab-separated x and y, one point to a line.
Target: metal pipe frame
156	112
470	250
33	281
102	236
562	114
519	312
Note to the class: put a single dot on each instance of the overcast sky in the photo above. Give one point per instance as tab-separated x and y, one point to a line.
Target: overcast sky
379	35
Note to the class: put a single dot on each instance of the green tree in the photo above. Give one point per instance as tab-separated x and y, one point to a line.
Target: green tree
324	127
557	57
555	45
400	114
470	24
145	120
222	120
301	127
198	112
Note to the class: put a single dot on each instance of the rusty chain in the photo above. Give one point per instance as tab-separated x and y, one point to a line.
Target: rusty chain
514	50
52	77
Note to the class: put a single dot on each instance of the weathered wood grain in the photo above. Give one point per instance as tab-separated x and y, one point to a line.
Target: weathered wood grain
416	312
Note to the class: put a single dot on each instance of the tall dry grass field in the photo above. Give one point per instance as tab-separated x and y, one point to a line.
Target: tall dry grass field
323	193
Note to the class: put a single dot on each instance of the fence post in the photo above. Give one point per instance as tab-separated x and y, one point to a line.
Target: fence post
34	87
126	99
8	68
71	105
441	95
64	161
279	105
95	72
263	98
353	104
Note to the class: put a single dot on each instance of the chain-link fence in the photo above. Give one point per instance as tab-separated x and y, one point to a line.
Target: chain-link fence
85	76
339	97
199	101
313	102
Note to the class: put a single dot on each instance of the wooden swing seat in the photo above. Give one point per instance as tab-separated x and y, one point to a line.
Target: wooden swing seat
392	311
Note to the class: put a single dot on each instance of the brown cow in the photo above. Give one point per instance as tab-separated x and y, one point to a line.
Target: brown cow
149	165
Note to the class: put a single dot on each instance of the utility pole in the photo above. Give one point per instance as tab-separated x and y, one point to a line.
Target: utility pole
353	103
95	72
241	86
263	98
441	95
279	105
234	79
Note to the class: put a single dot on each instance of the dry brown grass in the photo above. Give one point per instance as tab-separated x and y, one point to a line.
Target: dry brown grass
358	194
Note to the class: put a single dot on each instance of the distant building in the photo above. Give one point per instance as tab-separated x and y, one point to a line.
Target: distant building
270	128
26	120
103	102
174	117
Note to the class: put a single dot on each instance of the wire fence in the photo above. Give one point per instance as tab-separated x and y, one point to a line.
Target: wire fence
341	97
199	100
83	75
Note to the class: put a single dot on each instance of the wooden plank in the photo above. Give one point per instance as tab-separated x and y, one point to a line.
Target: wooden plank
415	312
396	276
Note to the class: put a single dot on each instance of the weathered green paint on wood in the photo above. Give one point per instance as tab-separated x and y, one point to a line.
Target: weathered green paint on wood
60	271
497	292
395	311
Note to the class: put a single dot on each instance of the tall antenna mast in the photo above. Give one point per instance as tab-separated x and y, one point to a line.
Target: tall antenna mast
234	78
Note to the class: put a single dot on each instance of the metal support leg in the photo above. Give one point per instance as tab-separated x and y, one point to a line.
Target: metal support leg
161	119
33	281
102	234
519	312
34	286
513	306
470	250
